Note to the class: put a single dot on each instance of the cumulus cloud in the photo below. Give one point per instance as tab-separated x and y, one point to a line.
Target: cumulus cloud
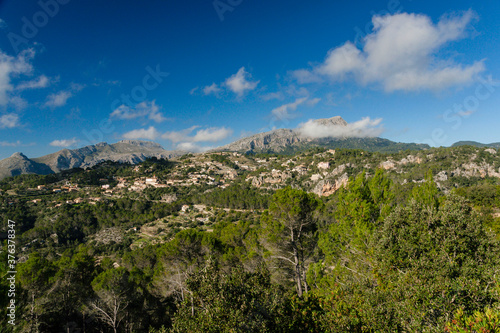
191	140
212	89
284	112
58	99
64	143
211	134
150	134
363	128
400	54
9	120
192	147
145	109
11	67
240	82
40	82
177	136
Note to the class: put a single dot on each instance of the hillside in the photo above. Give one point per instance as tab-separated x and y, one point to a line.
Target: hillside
217	225
18	164
495	145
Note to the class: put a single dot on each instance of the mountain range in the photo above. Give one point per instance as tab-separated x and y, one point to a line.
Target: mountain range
281	141
290	141
126	151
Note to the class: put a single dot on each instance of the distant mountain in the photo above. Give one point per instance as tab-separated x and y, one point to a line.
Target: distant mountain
19	164
495	145
288	141
126	151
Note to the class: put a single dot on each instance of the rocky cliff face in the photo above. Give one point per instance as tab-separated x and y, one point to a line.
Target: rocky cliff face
334	121
19	164
126	151
276	140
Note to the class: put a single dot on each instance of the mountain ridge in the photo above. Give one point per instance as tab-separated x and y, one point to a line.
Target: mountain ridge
125	151
290	141
476	144
277	141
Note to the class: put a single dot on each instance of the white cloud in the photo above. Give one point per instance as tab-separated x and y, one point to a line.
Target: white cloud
363	128
211	134
58	99
9	120
10	144
40	82
192	147
400	54
75	87
313	102
178	136
274	95
18	102
283	112
150	134
64	143
11	67
240	83
145	109
212	89
305	76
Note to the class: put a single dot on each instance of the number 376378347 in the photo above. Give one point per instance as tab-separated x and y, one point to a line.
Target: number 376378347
11	246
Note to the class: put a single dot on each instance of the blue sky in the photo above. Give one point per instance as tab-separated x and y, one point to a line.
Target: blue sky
201	73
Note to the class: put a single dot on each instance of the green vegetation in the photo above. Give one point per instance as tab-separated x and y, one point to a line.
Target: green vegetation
399	250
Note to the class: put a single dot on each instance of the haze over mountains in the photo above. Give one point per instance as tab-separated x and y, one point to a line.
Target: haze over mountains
328	133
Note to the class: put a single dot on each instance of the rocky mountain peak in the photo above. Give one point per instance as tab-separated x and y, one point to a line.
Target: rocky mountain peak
101	144
19	155
334	121
140	143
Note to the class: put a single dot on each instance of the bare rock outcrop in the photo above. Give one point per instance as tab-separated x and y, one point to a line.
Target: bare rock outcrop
327	187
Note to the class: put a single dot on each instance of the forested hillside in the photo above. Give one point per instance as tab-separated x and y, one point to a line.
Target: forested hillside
321	241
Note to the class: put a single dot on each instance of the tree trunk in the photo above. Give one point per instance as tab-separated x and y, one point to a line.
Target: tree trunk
297	272
306	287
192	306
